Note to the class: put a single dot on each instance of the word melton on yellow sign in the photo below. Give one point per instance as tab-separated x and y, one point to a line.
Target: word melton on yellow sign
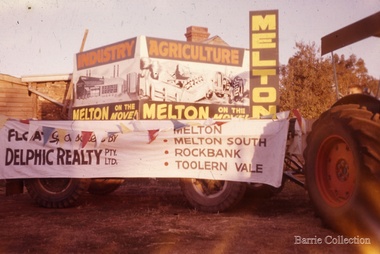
264	62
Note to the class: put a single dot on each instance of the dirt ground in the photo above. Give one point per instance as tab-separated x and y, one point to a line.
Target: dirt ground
152	216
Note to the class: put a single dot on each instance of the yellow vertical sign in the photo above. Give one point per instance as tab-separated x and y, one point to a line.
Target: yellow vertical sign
264	80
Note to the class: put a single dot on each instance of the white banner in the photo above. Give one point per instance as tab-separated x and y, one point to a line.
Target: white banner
235	150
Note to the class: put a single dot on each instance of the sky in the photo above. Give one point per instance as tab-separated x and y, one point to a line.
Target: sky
41	37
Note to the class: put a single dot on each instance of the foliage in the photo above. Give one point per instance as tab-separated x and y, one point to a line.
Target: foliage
351	73
308	82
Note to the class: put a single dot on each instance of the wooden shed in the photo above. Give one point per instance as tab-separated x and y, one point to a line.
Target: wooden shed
39	97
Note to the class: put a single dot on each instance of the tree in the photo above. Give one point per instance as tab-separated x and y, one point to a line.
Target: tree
352	72
307	81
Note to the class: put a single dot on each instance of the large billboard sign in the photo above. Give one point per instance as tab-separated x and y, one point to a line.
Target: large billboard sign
153	78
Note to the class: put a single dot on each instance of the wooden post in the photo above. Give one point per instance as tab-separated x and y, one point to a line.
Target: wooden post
69	96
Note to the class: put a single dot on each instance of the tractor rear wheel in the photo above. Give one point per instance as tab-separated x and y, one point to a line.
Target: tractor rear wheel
343	169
